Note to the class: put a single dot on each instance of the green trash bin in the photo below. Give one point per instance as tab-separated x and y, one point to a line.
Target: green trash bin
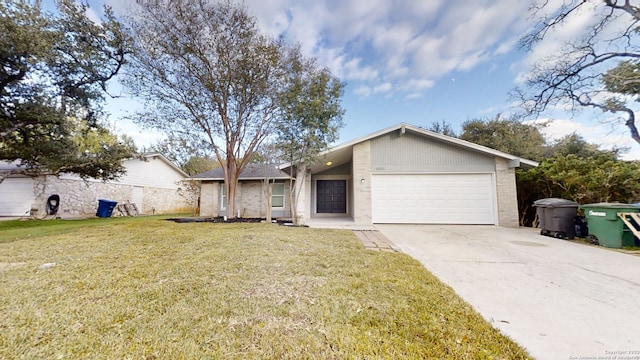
606	226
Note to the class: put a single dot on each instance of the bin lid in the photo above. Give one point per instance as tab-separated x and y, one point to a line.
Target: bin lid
555	203
607	205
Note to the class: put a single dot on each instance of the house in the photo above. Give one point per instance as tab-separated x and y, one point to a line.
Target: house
402	174
151	182
250	195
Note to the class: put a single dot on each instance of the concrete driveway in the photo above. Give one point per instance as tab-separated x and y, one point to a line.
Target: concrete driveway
558	299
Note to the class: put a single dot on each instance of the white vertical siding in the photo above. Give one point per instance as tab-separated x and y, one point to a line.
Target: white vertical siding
152	172
413	153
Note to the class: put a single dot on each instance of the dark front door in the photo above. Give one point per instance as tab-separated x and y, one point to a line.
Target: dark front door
332	196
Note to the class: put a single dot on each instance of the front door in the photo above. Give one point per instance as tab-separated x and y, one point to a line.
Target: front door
332	196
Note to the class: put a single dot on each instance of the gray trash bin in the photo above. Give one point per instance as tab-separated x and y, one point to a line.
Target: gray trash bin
557	217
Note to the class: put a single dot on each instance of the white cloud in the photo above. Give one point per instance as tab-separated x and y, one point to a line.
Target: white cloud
272	15
417	85
383	88
353	69
143	137
93	15
382	41
363	91
373	42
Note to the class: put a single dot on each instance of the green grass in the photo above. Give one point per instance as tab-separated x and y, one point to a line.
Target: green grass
11	230
148	288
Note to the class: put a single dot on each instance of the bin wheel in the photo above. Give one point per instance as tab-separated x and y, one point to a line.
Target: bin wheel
544	232
560	235
593	239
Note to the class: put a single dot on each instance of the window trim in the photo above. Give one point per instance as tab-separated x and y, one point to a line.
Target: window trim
273	195
223	196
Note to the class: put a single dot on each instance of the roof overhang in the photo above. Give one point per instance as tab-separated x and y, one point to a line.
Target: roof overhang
342	153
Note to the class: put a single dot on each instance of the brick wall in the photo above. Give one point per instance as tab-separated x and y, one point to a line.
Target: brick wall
507	194
250	199
209	199
362	190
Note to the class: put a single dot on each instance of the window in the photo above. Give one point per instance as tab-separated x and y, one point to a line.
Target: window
223	196
277	196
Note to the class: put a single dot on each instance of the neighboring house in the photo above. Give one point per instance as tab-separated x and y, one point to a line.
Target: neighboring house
250	195
152	182
402	174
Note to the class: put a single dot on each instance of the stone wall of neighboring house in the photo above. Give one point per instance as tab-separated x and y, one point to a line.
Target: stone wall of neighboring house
80	198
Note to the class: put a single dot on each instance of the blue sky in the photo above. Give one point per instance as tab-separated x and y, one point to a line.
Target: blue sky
414	61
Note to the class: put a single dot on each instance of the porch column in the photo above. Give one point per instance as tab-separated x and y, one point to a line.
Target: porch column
507	194
304	202
362	183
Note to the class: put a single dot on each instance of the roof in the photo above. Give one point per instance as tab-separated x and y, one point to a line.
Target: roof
251	172
342	152
15	165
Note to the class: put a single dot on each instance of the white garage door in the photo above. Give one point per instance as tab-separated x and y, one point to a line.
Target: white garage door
16	196
433	199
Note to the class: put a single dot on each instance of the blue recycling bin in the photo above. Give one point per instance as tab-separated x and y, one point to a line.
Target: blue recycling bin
105	208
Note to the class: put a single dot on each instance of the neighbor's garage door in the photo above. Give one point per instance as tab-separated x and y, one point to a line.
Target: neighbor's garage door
433	199
16	196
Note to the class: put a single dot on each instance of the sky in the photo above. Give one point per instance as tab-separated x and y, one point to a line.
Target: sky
414	61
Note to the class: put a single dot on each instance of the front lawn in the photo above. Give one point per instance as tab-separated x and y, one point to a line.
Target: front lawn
148	288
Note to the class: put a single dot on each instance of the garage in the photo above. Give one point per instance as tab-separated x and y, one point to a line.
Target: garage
433	199
16	196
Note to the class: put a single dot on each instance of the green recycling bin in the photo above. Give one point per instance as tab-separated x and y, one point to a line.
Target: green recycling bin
606	226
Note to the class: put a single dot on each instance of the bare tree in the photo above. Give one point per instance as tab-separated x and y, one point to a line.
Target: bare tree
268	157
208	75
574	77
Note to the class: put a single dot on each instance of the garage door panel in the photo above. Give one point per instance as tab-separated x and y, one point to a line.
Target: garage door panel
16	196
433	199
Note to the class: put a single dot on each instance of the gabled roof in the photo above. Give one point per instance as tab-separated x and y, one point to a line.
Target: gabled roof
251	172
342	152
15	165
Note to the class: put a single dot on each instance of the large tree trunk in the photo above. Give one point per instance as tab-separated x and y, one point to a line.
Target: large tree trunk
268	194
230	184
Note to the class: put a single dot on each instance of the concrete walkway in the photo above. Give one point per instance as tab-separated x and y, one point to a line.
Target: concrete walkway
342	223
375	240
558	299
